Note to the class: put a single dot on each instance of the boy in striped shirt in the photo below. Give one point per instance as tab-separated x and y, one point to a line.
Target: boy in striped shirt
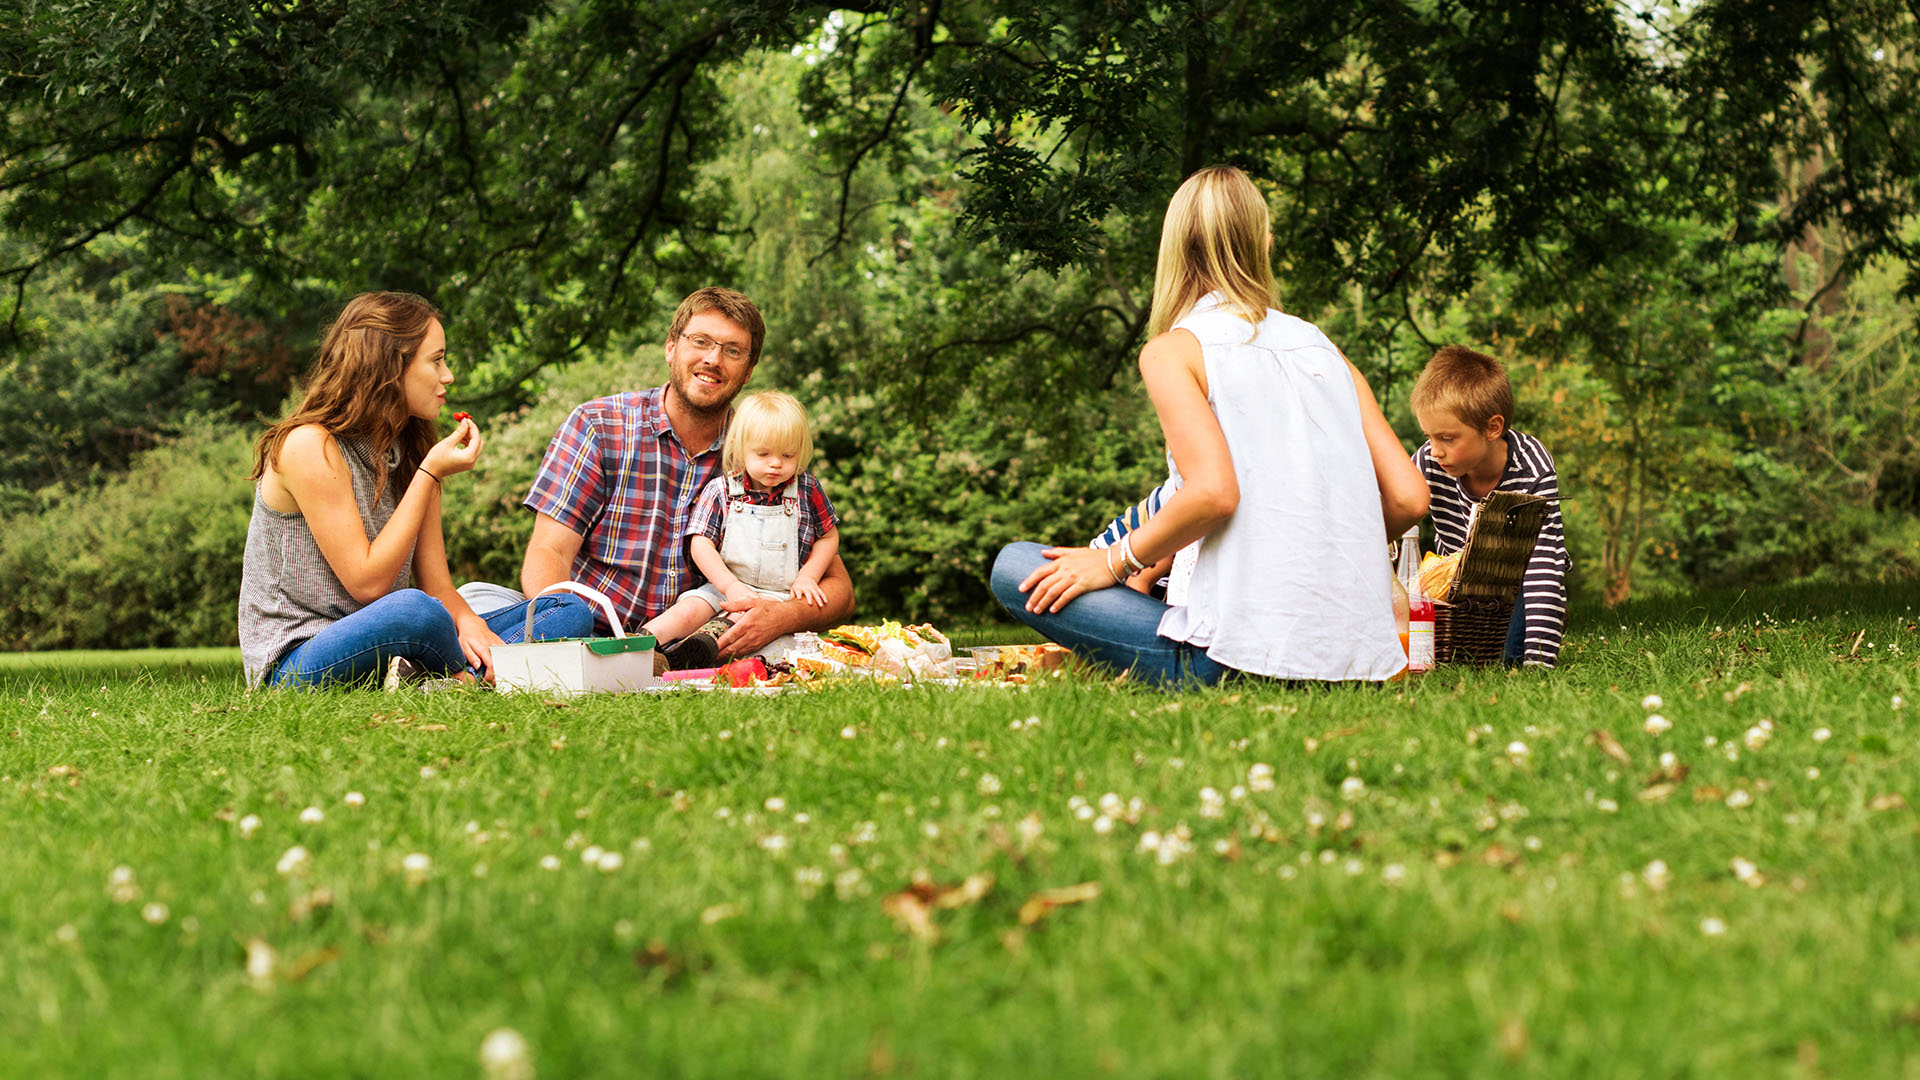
1463	401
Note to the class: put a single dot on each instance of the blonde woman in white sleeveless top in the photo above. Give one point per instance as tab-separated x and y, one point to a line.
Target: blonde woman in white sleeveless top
1290	482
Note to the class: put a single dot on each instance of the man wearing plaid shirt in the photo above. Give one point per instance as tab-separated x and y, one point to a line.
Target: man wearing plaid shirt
619	480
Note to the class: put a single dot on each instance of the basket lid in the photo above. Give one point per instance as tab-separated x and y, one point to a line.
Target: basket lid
613	646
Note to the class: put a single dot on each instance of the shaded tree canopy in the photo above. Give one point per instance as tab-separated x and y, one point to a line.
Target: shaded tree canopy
539	169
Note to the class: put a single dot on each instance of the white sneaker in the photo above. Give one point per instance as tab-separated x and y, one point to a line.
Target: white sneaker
401	672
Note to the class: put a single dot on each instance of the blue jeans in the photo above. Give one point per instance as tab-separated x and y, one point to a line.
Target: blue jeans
1515	654
1117	627
412	624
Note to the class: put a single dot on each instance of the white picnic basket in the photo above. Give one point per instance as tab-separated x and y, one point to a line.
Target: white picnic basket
570	666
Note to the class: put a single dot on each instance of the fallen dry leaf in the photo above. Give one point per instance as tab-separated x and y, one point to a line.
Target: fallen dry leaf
1658	792
912	908
1498	856
310	960
431	727
1044	901
1708	793
1610	746
1887	802
1513	1037
304	906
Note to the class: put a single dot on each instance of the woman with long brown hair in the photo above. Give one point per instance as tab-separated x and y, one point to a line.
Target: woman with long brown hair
1287	482
346	567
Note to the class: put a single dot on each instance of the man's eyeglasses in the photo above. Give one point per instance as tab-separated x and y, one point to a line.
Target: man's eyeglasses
702	344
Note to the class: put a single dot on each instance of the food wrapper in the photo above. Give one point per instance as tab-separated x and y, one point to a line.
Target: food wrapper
1437	573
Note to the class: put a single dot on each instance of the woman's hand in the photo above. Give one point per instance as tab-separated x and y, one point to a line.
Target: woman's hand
477	640
457	452
1072	571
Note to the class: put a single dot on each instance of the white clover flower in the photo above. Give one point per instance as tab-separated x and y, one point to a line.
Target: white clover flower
294	862
773	843
930	830
1532	843
1607	806
1517	750
1668	759
428	772
848	732
1260	777
1744	870
1713	926
1083	812
416	866
1103	825
1739	797
1111	804
1355	867
259	960
354	799
1352	788
1657	725
1821	734
850	883
1657	876
726	735
590	854
549	862
312	815
775	804
610	862
1149	841
155	913
1651	702
120	875
248	825
504	1055
1392	873
988	785
1756	737
1813	772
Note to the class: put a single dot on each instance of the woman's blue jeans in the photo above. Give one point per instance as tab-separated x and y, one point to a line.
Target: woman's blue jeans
1117	627
412	624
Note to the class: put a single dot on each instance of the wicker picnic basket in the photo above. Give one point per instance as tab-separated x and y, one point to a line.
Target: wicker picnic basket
1470	622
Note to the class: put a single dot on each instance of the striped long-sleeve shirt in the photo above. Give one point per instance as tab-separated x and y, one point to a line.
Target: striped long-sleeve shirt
1544	588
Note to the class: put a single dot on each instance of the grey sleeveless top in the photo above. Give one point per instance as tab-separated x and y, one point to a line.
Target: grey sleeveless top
288	592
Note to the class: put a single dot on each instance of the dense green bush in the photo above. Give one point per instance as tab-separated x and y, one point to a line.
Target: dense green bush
149	558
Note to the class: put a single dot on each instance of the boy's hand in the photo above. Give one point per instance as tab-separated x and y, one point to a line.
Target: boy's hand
806	588
739	592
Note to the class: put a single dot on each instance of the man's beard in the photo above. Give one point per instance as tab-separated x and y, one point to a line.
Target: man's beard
682	389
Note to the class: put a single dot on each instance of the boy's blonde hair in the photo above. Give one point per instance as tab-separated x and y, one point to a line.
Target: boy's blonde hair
1473	386
1215	236
770	418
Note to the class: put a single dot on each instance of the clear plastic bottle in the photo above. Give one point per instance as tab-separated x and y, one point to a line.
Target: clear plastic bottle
1419	625
1402	611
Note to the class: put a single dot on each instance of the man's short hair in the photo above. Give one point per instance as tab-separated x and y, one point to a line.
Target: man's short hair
1473	386
734	305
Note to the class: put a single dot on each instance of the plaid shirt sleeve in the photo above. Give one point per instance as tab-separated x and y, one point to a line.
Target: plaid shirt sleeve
818	517
709	517
569	486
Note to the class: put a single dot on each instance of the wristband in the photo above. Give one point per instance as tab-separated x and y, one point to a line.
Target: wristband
429	472
1126	553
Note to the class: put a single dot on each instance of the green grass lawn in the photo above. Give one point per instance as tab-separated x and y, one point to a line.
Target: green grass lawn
1448	878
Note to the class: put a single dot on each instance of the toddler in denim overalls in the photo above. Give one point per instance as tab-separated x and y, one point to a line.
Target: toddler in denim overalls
763	527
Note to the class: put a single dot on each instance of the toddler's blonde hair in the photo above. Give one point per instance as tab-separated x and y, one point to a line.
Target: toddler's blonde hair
771	418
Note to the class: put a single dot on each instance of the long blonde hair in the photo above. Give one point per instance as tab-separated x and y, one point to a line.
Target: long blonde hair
354	389
1214	238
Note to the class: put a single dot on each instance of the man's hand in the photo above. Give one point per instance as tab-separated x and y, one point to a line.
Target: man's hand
757	620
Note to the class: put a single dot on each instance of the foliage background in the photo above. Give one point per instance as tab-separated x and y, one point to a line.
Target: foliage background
1693	264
